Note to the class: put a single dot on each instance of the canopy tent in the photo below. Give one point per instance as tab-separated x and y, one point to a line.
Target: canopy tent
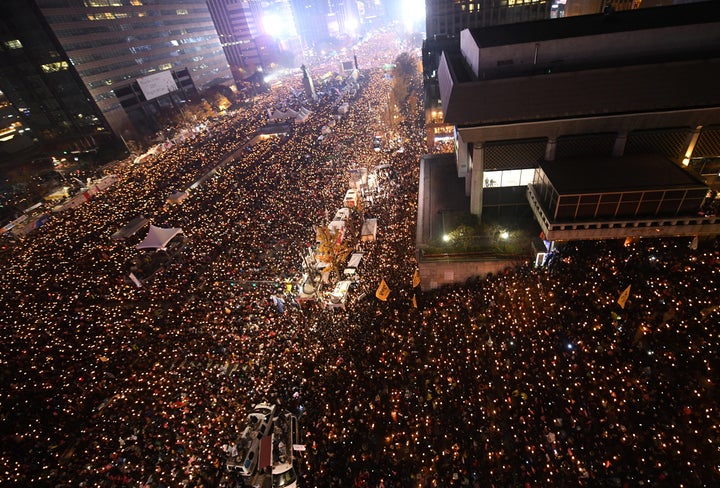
353	264
131	228
300	115
358	177
338	297
303	114
177	197
158	237
342	214
369	230
354	261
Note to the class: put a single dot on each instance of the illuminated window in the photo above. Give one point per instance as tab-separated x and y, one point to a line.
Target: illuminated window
13	44
513	3
103	3
181	11
164	67
53	67
101	16
513	177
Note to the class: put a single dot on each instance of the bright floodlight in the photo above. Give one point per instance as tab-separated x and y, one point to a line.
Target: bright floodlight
446	237
504	235
278	26
413	14
351	26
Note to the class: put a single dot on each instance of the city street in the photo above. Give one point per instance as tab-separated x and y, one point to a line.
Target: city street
534	378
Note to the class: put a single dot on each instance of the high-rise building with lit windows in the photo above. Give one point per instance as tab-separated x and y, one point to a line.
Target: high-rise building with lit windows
444	19
311	21
42	93
238	26
345	18
108	45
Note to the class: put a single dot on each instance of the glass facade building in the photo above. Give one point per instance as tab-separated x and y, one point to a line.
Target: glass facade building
237	24
108	44
38	79
311	21
446	18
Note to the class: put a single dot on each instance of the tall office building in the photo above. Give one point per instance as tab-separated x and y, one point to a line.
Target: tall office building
14	135
43	94
237	25
108	45
311	21
345	18
444	19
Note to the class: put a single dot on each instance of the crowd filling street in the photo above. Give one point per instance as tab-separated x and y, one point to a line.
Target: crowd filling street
534	377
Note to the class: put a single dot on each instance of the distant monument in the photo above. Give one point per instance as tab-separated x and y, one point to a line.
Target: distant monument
308	84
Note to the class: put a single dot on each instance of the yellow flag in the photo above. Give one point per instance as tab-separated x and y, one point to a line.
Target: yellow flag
623	297
416	278
414	302
383	291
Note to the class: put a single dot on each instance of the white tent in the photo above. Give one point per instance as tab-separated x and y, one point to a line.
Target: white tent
177	197
338	297
158	237
337	227
303	114
282	115
297	116
130	229
342	214
369	230
355	259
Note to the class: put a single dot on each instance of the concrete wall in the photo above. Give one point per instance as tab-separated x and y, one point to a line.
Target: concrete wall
598	49
436	273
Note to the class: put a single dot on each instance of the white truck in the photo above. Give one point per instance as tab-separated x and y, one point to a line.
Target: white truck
265	449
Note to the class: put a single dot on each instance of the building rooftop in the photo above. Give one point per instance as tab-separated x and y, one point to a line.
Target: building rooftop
589	25
597	92
625	63
628	173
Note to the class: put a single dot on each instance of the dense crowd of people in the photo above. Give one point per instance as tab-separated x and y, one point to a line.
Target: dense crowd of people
536	377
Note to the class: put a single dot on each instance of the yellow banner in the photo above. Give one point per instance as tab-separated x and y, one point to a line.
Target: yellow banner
383	291
623	297
416	278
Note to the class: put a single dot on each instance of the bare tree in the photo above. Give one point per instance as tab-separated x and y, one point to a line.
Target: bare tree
331	250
